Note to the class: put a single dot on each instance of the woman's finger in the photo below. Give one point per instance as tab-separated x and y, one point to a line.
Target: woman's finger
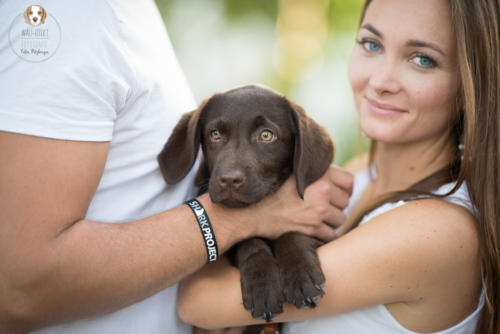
341	178
334	217
325	233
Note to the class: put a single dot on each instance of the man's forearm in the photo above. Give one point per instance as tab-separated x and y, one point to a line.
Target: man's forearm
93	268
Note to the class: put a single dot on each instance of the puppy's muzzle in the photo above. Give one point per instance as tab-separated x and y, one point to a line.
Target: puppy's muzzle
231	180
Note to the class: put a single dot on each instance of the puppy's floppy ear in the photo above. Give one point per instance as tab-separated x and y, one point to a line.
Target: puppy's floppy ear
179	153
26	17
202	177
44	15
313	149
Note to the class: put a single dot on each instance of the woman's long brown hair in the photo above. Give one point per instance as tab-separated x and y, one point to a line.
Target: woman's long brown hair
476	24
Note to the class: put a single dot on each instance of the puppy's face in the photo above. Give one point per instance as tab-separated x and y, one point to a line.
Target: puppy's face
248	144
252	139
35	15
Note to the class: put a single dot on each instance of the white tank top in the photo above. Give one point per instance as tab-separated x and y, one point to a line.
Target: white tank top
377	319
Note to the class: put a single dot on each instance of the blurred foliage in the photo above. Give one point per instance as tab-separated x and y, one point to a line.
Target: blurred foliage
235	10
298	47
344	15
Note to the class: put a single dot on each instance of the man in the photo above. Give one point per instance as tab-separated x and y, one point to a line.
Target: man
79	134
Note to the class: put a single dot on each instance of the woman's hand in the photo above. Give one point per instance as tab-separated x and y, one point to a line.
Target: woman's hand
318	214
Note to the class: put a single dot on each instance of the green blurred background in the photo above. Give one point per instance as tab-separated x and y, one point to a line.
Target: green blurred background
298	47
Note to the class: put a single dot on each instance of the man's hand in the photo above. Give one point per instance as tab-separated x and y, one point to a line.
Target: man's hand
318	214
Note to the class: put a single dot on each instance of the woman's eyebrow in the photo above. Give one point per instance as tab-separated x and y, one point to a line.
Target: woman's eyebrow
410	43
372	29
421	44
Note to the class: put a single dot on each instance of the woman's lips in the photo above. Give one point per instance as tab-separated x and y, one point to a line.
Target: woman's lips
383	109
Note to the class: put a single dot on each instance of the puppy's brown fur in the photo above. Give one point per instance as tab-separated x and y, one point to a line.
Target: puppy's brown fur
252	140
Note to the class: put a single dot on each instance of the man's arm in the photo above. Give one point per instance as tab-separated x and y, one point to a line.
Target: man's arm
58	266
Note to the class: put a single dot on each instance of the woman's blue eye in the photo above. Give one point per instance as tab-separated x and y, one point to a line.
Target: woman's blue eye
371	46
424	61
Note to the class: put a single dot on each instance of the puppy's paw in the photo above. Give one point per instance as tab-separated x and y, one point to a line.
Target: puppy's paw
261	288
302	281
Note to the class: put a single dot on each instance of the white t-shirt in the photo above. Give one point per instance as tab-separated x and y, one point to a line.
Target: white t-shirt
377	319
110	74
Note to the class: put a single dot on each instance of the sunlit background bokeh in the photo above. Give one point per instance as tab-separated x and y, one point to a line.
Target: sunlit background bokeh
297	47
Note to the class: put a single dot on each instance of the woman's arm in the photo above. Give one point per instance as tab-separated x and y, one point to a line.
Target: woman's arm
403	256
56	265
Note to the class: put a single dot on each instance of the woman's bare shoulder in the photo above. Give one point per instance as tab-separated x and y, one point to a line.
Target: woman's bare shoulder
436	226
432	241
440	217
423	244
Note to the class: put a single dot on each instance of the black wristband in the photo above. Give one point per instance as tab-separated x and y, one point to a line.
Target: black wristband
206	229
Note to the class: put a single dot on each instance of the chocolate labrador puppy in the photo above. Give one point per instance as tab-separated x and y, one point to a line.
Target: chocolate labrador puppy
252	139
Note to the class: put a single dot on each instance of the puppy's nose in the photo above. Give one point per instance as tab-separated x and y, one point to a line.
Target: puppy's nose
35	19
231	179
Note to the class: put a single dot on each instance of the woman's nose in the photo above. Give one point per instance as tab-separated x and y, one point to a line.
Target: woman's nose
385	79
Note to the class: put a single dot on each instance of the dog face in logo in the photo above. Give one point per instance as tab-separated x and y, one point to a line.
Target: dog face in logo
35	15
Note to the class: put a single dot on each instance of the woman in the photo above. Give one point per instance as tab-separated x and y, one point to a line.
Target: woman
425	76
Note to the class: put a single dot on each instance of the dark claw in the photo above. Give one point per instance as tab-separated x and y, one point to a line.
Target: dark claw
318	287
267	316
312	303
316	299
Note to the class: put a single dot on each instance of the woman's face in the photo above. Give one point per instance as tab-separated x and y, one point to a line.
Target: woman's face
403	70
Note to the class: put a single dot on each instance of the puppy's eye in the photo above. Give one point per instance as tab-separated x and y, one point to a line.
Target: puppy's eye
215	135
266	135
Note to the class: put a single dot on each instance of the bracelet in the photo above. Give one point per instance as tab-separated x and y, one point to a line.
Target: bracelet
206	229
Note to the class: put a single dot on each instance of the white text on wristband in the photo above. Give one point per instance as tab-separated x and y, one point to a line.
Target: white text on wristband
206	229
